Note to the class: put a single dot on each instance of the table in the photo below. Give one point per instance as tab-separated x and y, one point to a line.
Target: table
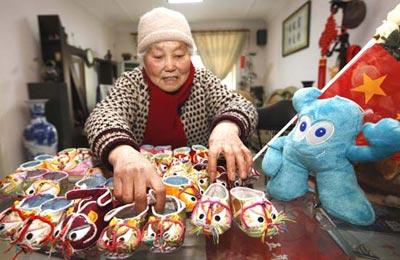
305	239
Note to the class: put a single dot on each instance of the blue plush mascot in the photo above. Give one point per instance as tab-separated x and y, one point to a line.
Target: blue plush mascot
323	142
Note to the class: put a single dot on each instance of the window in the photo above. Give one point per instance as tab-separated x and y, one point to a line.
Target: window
229	80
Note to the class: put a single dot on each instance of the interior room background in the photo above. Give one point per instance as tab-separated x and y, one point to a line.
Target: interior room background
20	50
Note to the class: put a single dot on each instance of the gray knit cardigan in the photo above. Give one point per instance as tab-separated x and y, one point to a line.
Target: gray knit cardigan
121	117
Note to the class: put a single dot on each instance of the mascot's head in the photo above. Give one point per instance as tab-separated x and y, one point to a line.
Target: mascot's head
324	123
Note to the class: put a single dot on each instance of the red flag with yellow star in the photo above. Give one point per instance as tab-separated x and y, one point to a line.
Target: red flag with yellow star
373	81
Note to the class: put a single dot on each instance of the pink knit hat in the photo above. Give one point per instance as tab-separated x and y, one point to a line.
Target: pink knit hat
162	24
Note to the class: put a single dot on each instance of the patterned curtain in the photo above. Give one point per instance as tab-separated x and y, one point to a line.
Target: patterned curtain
219	50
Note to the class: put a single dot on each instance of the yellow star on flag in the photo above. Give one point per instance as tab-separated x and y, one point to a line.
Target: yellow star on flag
371	87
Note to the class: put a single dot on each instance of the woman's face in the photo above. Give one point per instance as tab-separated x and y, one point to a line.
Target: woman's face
167	64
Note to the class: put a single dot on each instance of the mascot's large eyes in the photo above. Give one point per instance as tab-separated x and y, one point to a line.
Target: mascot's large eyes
320	133
302	128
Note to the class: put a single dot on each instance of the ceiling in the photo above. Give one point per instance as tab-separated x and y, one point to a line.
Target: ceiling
126	13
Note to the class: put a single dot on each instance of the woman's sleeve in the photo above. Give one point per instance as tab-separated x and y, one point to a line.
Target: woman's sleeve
227	105
110	123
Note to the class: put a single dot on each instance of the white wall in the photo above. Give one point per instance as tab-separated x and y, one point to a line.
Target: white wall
20	46
303	65
126	43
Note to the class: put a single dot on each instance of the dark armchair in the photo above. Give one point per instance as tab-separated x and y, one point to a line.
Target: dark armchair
274	117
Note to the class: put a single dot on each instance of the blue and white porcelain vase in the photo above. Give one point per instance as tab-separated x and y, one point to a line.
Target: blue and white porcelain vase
40	136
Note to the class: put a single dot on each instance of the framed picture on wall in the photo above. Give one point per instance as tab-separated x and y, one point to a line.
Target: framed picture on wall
296	30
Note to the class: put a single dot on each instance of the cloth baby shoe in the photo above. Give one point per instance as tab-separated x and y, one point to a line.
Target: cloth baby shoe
252	177
222	177
30	166
13	217
162	162
38	230
165	231
43	157
83	225
148	151
179	169
182	188
182	155
123	235
85	154
79	154
91	182
167	149
255	214
13	184
50	183
70	152
212	214
43	187
201	177
74	161
199	154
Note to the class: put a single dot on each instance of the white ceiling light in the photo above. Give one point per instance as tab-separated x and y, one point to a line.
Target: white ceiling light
184	1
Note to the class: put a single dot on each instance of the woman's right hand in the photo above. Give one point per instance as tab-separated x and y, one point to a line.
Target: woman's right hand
133	174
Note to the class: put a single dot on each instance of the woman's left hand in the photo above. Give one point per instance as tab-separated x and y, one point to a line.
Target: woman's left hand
224	139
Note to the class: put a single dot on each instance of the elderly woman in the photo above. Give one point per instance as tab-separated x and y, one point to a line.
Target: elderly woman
167	102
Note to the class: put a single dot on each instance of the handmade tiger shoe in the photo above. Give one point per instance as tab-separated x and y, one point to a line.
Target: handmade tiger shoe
180	169
83	225
182	155
123	235
182	188
92	181
75	161
202	178
255	214
165	231
50	183
199	154
30	166
252	176
38	230
43	157
222	177
12	184
148	151
212	214
13	217
78	154
162	162
167	149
